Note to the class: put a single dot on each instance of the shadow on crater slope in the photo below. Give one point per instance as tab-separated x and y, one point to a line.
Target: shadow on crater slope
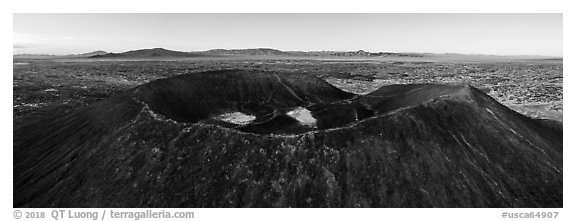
264	139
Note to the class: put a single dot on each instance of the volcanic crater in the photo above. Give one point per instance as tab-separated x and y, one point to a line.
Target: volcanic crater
237	138
254	102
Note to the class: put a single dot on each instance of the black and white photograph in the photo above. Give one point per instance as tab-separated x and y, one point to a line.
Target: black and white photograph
286	110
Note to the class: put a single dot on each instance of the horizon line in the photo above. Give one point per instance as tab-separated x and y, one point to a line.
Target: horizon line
306	51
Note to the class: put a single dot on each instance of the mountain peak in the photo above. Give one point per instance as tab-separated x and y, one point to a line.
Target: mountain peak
150	53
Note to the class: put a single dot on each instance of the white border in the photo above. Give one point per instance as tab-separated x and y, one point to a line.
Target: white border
250	6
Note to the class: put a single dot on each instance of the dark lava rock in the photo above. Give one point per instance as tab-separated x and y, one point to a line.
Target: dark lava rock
162	145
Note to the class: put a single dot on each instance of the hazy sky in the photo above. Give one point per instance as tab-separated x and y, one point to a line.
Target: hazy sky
499	34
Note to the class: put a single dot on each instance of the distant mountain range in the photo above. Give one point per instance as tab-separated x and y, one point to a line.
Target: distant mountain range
150	53
254	51
269	51
359	53
160	52
165	53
